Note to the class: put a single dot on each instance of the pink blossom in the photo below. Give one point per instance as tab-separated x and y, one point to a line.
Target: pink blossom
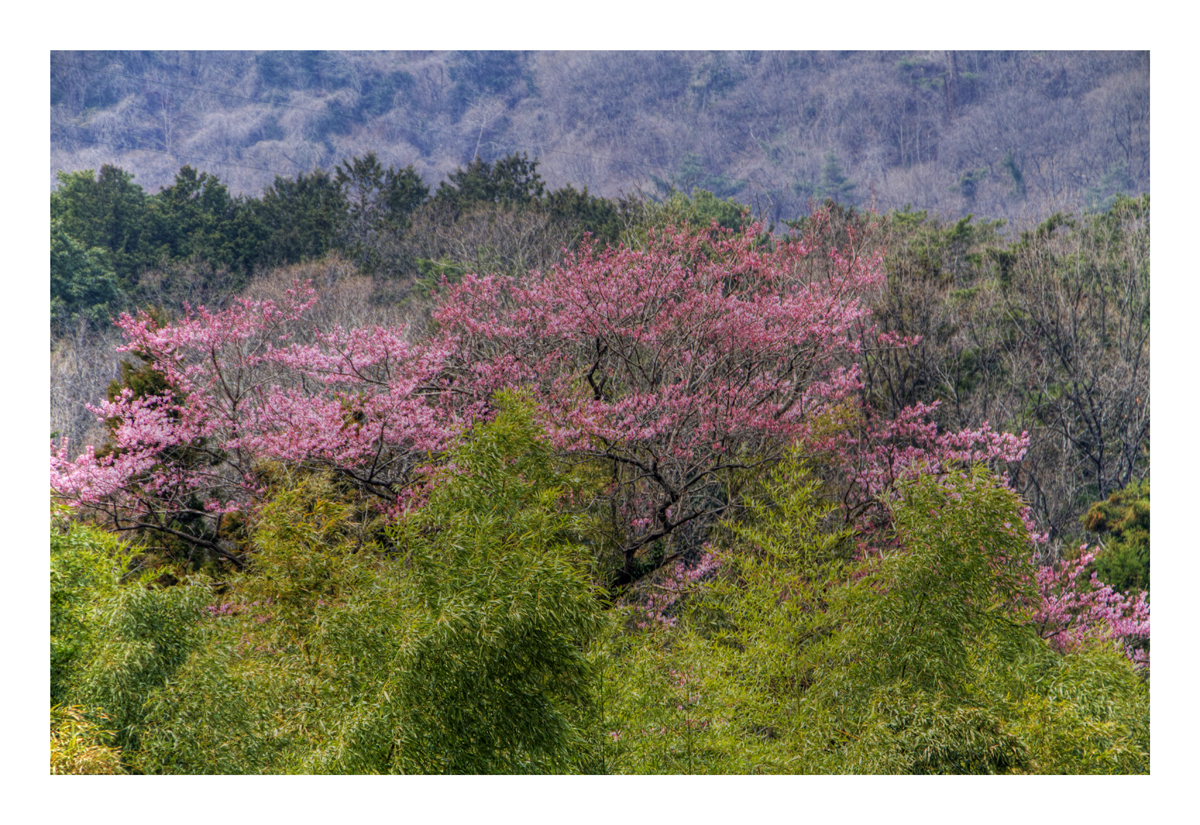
257	382
1075	608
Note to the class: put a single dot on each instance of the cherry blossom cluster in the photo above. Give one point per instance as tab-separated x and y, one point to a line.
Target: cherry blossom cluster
874	454
1075	607
253	383
701	353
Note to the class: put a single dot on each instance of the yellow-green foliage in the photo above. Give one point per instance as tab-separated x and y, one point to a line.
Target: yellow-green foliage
462	645
78	746
719	692
112	641
86	566
934	639
1090	714
921	659
142	636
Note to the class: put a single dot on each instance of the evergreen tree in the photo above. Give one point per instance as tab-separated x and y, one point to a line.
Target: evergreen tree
298	219
106	212
379	202
1123	522
834	184
82	284
511	181
194	219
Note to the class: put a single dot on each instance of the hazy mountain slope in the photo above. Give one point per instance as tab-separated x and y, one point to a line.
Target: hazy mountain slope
1001	134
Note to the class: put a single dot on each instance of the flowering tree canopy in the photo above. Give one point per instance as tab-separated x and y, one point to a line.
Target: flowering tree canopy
249	384
686	362
1076	607
683	367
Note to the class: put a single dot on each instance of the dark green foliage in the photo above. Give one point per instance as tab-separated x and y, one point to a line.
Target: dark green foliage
299	219
834	184
379	202
101	212
83	287
143	380
1123	523
602	218
192	222
499	218
510	181
403	191
195	219
106	212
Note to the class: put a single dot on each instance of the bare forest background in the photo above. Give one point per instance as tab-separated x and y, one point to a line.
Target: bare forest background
1013	135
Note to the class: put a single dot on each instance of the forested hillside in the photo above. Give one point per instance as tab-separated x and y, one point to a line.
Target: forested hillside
376	466
1002	134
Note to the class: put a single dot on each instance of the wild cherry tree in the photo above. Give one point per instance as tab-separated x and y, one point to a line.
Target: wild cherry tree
250	384
687	363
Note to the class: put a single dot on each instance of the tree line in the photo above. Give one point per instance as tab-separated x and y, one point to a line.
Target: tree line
107	233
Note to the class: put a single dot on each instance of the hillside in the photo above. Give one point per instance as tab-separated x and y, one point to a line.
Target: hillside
1003	134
